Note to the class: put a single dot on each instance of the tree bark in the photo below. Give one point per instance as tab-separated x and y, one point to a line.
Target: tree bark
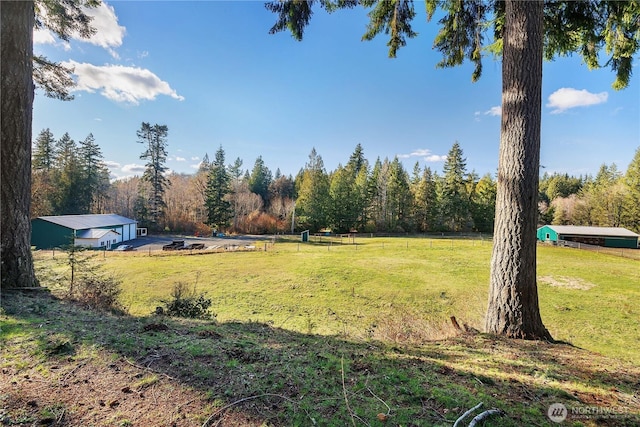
513	308
16	39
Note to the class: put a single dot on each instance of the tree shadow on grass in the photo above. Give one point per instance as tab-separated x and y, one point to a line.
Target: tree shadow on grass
79	367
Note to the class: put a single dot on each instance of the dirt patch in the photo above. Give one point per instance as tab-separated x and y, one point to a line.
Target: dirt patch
567	282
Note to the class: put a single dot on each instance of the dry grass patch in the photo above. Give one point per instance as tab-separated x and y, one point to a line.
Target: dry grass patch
567	282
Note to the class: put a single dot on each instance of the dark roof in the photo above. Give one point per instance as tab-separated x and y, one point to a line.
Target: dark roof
83	222
578	230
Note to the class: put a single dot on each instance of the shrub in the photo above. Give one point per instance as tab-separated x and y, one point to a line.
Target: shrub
100	292
185	302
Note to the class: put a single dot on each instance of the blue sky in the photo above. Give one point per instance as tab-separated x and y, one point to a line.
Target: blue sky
210	71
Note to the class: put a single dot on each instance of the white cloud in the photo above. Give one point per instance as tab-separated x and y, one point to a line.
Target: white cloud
120	83
196	166
435	158
43	36
566	98
133	168
194	158
426	155
180	159
494	111
109	33
111	164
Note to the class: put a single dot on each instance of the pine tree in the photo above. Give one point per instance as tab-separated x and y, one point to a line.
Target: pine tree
260	179
217	202
44	151
348	192
155	139
399	198
313	194
42	188
426	202
67	177
455	196
483	204
94	174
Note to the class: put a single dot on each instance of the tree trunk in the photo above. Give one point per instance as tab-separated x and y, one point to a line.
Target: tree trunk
513	295
16	38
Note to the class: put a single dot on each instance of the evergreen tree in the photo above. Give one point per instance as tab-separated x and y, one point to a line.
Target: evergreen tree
260	179
94	175
340	189
42	186
455	196
235	170
426	202
348	189
217	196
483	204
313	194
155	139
377	195
67	178
44	151
399	198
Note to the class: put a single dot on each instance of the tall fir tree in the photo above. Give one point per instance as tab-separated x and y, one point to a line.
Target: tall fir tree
483	204
399	198
94	174
42	185
455	196
217	204
260	179
426	202
313	194
154	137
67	177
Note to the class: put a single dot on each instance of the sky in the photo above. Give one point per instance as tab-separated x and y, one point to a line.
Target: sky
212	73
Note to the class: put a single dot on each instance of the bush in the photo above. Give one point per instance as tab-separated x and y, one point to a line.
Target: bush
100	292
185	303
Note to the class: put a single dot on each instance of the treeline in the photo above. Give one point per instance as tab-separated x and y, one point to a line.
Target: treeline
357	196
610	199
67	176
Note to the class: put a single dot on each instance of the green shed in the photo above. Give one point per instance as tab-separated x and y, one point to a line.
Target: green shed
610	237
95	231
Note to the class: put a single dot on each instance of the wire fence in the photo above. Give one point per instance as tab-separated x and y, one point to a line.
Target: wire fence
622	252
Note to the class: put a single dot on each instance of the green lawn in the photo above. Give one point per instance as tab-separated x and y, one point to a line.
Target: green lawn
392	287
324	334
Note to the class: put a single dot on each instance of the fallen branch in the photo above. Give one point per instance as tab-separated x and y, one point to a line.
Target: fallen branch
469	412
344	392
484	415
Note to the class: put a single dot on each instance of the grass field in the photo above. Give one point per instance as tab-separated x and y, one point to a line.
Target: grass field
392	287
323	334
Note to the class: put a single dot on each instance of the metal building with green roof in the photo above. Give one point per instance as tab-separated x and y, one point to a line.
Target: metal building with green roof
611	237
94	231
